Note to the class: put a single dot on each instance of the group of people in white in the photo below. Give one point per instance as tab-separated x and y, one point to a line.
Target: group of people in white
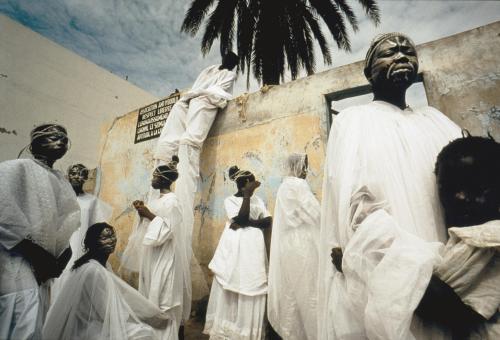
404	244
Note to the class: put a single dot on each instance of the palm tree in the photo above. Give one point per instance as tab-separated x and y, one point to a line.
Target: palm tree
270	33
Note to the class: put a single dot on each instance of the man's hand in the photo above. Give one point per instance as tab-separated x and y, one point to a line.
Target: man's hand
249	188
142	210
337	258
137	203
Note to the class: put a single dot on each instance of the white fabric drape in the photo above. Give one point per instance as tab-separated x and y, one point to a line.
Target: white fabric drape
240	277
93	210
96	304
378	154
293	264
38	203
471	266
192	116
164	261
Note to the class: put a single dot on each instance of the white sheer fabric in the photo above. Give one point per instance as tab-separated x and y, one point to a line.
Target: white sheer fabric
96	304
293	264
378	153
38	203
471	266
192	116
164	261
93	210
240	268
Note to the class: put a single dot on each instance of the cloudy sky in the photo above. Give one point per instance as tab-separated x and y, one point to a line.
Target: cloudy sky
141	38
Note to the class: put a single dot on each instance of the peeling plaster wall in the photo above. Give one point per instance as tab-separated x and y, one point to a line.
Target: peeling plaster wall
40	81
258	130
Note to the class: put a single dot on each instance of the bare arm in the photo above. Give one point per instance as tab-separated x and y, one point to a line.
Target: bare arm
44	264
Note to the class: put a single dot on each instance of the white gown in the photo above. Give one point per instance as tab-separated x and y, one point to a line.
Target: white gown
164	262
38	203
93	210
471	266
95	304
236	307
293	264
378	155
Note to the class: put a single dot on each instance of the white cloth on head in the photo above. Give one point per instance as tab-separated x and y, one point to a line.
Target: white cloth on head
240	277
164	261
38	203
379	154
293	263
192	115
96	304
93	210
471	266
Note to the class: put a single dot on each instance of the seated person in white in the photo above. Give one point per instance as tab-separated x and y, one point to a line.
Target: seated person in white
468	179
96	304
93	210
237	303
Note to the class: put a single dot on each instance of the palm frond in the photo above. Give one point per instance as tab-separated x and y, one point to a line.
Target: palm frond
195	15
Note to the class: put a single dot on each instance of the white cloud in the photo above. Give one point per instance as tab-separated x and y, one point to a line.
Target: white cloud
142	39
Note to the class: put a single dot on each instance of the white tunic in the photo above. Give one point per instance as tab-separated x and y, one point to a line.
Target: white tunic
378	154
164	262
96	304
293	264
236	307
38	203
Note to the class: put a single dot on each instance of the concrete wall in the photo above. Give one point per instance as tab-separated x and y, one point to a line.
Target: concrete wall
41	81
258	130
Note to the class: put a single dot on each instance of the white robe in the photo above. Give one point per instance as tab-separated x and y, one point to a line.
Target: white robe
93	210
236	306
37	203
164	262
192	116
471	266
377	154
293	264
96	304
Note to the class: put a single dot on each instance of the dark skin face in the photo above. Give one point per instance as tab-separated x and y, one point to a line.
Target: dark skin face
229	63
77	177
50	147
394	68
106	242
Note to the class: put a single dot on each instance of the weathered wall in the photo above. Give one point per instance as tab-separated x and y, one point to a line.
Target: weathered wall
41	81
258	130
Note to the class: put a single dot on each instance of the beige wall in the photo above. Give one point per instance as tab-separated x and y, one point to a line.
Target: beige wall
41	81
258	130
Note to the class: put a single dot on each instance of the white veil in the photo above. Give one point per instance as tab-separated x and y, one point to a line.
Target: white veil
96	304
293	266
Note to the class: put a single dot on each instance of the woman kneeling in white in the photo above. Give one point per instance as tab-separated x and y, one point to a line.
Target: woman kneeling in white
96	304
293	265
237	301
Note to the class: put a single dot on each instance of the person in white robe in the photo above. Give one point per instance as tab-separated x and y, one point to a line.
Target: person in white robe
164	263
379	161
293	264
38	214
184	133
95	303
237	302
469	189
92	210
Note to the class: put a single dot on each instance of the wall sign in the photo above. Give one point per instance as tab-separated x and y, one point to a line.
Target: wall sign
151	118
